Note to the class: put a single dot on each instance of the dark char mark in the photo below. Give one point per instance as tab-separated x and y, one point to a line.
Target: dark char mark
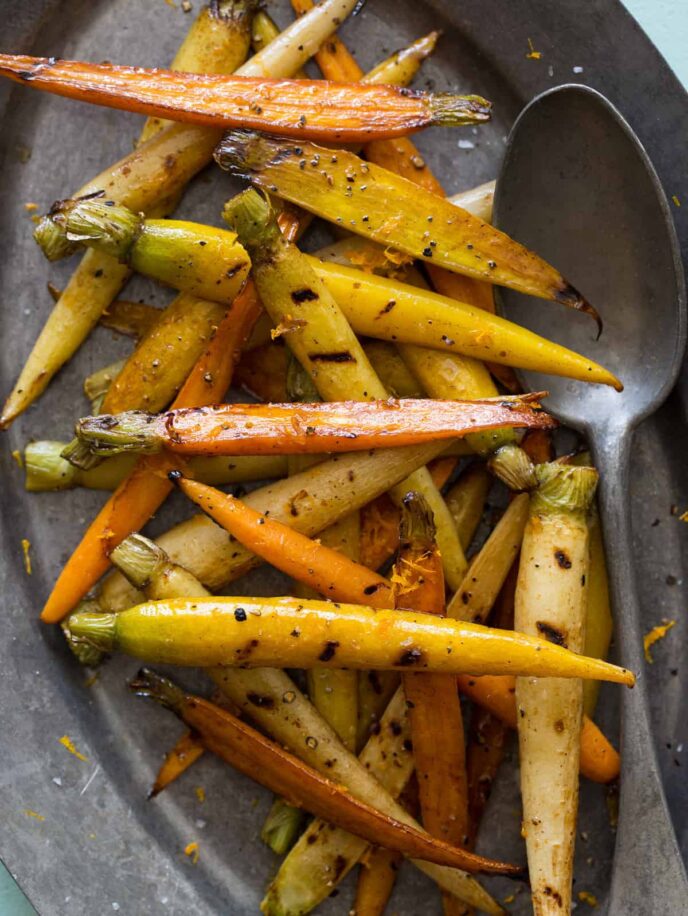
551	633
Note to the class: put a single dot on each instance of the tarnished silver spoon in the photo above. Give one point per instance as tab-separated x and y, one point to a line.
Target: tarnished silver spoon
578	187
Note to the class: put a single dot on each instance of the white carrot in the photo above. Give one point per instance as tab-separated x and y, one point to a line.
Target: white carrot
551	602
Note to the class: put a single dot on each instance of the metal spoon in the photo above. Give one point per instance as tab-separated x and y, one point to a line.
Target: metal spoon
578	187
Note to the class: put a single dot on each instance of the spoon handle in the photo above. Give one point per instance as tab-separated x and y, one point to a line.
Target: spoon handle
648	874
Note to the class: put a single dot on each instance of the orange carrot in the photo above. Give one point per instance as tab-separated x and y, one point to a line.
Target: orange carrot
187	750
308	428
184	754
146	488
329	572
599	760
432	699
302	109
376	878
488	734
378	870
256	756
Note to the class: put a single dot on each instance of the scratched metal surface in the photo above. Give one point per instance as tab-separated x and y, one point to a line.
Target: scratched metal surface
101	846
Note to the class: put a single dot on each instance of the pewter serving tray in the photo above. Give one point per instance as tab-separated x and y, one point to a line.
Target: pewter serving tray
102	847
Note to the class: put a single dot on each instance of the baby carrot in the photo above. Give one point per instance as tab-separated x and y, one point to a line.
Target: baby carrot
308	428
312	109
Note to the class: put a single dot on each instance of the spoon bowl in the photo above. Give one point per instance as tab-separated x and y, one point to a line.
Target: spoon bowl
578	187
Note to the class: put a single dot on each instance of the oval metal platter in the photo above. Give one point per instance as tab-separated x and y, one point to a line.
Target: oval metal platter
97	845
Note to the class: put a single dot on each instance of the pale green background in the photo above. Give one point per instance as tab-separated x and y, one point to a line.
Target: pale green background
666	22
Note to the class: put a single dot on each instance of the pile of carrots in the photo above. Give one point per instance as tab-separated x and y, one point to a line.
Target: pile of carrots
384	404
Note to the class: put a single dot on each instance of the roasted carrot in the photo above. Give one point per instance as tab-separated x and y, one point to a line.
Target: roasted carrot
187	750
152	178
277	706
185	255
323	569
379	867
599	761
344	426
304	633
163	358
325	343
488	734
311	109
308	502
551	599
377	204
265	761
377	875
146	488
432	699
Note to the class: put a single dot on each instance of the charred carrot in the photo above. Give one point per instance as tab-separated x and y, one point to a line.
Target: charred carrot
551	599
259	429
164	356
377	204
433	701
323	569
249	752
302	633
275	703
477	593
308	502
379	540
388	309
146	488
309	109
